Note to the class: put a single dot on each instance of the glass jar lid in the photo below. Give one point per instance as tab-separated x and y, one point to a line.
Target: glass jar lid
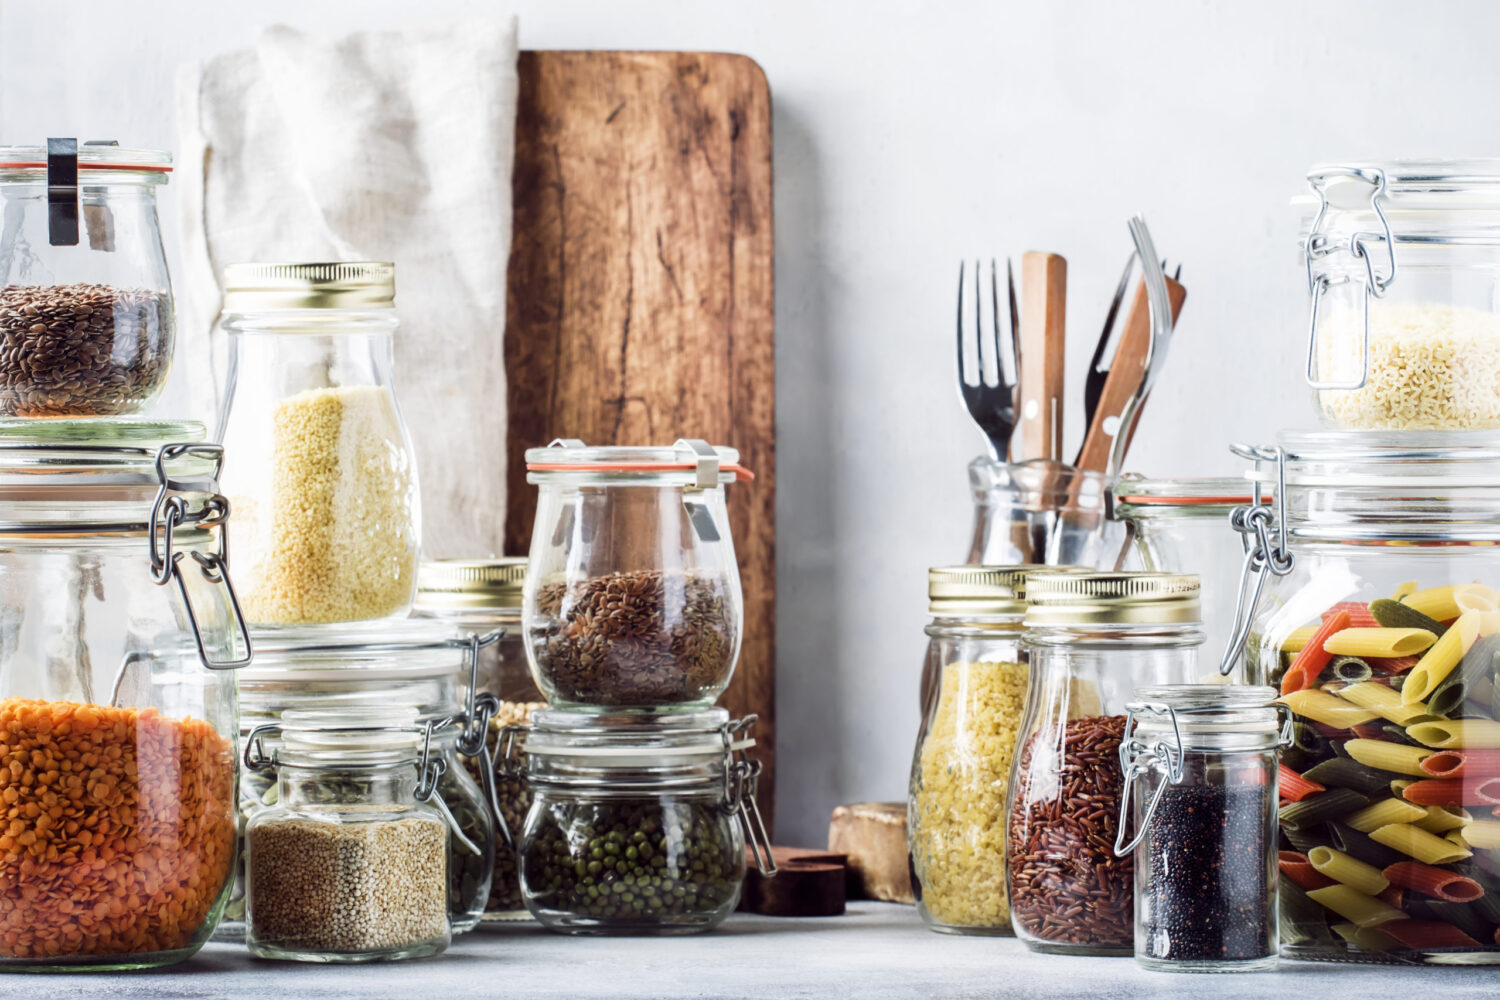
1081	599
687	463
1425	201
980	590
1203	713
1210	496
461	584
368	736
261	287
98	164
632	751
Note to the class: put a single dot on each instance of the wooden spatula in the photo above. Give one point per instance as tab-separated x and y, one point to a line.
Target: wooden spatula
1044	289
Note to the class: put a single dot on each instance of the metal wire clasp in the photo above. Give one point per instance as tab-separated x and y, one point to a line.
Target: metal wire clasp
1266	553
1318	245
741	780
1137	759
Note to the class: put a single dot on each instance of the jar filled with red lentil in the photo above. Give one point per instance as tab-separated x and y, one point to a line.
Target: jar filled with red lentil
323	477
1091	639
117	698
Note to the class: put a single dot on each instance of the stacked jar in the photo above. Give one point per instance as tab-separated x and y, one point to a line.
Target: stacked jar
1375	571
632	617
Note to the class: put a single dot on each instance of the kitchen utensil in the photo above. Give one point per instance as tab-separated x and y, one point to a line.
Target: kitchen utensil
1178	296
991	405
1044	283
1093	382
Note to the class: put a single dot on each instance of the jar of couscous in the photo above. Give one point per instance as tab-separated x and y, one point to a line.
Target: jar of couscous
323	478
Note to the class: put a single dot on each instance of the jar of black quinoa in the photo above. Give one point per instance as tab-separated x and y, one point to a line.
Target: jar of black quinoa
1200	794
638	824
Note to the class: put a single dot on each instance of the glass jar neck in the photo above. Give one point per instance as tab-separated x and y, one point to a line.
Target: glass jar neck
1152	636
393	784
962	626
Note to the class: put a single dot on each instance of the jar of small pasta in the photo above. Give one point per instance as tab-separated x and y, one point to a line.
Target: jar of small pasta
1379	622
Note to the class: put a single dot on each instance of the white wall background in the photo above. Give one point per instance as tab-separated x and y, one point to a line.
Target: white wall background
907	135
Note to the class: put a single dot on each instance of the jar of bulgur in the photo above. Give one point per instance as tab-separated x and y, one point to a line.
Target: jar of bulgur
323	479
349	865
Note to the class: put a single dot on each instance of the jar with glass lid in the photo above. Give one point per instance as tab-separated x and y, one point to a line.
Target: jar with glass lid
117	696
1404	321
639	823
483	596
424	667
632	593
1379	620
1200	798
85	299
323	477
973	693
349	864
1091	639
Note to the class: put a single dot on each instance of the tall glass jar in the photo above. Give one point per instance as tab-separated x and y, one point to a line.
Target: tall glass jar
1092	639
639	823
322	474
973	693
1200	795
1401	259
423	667
85	300
120	631
1381	632
483	596
632	593
349	864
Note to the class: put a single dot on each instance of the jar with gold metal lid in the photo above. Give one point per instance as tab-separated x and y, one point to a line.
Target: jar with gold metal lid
1091	639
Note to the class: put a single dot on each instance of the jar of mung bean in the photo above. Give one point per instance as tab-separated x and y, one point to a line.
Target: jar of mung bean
350	864
639	823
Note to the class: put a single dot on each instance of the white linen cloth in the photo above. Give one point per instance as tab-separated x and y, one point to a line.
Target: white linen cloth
379	145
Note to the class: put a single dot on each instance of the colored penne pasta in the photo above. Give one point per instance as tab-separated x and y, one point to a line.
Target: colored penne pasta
1393	665
1461	915
1462	763
1453	792
1422	934
1441	819
1477	664
1298	638
1302	920
1435	882
1320	706
1383	700
1359	845
1348	871
1350	669
1341	772
1399	614
1293	787
1359	614
1320	808
1409	587
1466	734
1481	835
1384	813
1391	757
1303	841
1441	659
1436	603
1379	641
1359	909
1416	842
1295	866
1364	938
1312	658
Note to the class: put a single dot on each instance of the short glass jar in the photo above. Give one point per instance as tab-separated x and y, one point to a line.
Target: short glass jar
973	694
1200	794
633	593
1091	640
121	635
1403	270
349	864
85	299
639	823
420	666
324	480
483	596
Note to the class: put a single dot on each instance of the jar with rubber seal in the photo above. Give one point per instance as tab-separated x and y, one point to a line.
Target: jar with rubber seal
639	824
632	596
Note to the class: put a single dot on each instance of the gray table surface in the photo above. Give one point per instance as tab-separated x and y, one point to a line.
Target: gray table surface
877	950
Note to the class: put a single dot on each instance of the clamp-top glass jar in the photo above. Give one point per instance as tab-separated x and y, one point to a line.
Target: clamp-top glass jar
632	593
323	479
85	300
1092	639
349	865
1380	621
117	701
640	823
1403	269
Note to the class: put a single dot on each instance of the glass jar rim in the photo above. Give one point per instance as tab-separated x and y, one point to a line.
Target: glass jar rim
678	464
1426	201
1210	492
629	741
1201	712
366	736
102	165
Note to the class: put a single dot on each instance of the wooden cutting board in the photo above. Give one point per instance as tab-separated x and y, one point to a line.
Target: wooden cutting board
640	291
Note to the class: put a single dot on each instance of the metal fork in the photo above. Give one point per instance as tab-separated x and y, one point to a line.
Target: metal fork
991	404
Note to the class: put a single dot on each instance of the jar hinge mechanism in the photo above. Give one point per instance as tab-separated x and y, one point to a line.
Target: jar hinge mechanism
1267	552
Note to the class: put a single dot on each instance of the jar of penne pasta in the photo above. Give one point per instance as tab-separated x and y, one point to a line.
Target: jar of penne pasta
1378	620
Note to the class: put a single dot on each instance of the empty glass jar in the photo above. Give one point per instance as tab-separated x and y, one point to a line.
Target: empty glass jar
85	300
632	593
323	479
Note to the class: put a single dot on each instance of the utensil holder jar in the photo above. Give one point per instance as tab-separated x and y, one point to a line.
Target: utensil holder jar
1041	512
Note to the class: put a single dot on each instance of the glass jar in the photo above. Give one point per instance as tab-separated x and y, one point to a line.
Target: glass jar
1200	794
1091	640
1403	270
1041	512
973	693
632	592
349	864
421	666
85	300
1177	526
120	628
1380	632
483	596
639	823
323	477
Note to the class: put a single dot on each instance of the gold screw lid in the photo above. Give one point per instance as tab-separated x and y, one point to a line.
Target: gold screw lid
471	583
363	284
1061	599
979	590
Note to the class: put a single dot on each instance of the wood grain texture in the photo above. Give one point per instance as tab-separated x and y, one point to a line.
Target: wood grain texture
1044	291
640	291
